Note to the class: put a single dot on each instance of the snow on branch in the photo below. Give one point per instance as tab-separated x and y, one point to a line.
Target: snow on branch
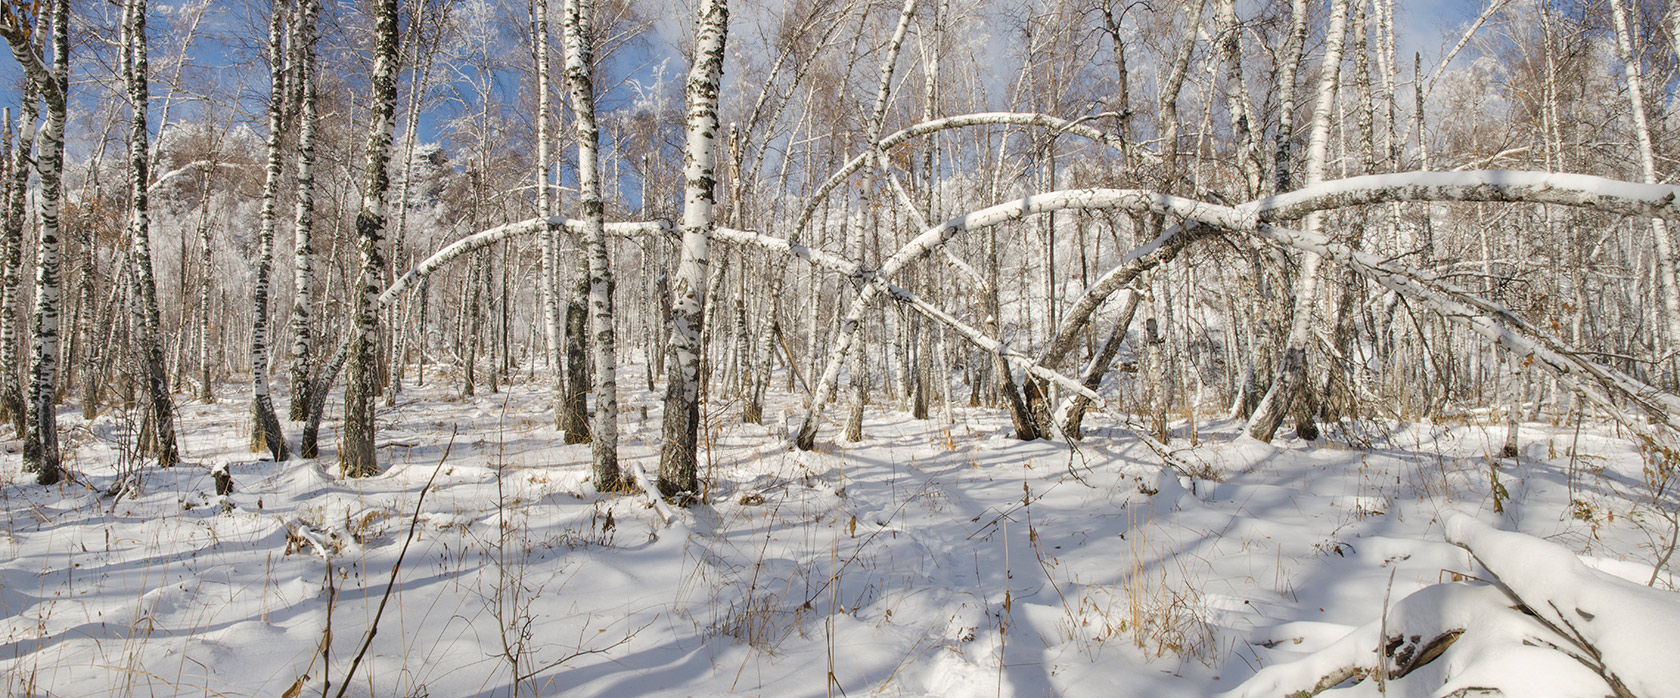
1503	186
927	127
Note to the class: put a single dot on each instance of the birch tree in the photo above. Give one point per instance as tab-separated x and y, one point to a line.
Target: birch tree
553	337
579	36
1647	168
1292	369
135	69
18	26
361	378
678	473
303	219
11	393
265	433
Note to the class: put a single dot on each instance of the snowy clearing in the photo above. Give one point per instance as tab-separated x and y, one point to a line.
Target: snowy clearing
935	558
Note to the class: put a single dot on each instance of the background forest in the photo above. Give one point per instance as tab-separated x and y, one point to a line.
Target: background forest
734	246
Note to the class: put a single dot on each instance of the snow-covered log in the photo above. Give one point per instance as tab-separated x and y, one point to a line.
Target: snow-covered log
1549	626
1624	631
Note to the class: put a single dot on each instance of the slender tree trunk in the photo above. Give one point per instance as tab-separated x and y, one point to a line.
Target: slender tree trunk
146	308
11	393
207	391
1290	381
575	420
40	447
1293	50
361	381
551	238
1648	170
303	277
1071	413
266	434
678	472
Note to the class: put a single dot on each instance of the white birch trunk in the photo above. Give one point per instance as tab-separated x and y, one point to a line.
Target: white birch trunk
11	393
1648	170
552	335
266	434
303	276
40	448
136	71
677	459
578	32
1291	374
361	381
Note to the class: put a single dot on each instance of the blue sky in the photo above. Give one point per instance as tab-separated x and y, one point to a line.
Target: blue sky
1428	26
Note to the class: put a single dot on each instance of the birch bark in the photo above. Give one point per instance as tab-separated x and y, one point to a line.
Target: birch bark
145	303
40	446
303	276
11	393
1291	376
677	458
1648	169
361	380
579	35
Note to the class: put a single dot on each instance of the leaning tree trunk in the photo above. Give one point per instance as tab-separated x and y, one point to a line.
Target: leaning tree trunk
677	457
266	434
40	447
11	393
161	405
579	39
303	276
873	187
361	379
1290	382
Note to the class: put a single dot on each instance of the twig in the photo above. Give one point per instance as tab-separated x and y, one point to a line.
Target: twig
391	583
641	479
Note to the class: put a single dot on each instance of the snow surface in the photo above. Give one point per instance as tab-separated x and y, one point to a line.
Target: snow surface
936	558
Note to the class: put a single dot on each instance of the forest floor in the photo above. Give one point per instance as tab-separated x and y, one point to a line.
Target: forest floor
937	558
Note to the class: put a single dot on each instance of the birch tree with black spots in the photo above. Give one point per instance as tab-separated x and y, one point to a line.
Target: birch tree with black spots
678	471
52	84
135	64
266	433
579	35
11	267
361	375
303	219
1290	381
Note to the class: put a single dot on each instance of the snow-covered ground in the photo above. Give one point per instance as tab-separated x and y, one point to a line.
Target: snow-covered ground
937	558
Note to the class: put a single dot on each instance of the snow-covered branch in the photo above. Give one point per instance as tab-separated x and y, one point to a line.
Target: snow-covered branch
1504	186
